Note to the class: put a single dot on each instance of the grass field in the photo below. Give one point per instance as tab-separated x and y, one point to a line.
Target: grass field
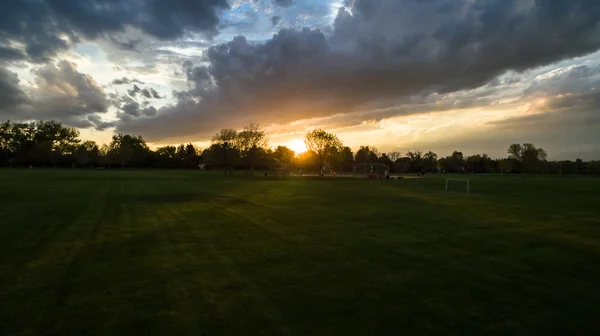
178	252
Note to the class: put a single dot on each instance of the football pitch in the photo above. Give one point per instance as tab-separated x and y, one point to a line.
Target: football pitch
189	252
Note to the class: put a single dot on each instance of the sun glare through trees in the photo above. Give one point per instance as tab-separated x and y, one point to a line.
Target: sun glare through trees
300	167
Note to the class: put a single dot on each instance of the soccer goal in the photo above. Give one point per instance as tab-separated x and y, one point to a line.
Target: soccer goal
457	185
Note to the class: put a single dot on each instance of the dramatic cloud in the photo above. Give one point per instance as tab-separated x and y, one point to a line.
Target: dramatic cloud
60	93
11	54
378	50
38	30
11	94
563	98
509	68
44	27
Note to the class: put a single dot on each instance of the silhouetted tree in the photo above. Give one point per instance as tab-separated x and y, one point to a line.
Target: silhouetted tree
347	159
323	144
454	163
283	157
430	161
250	142
416	160
49	143
308	161
224	151
366	154
129	150
86	153
529	157
394	156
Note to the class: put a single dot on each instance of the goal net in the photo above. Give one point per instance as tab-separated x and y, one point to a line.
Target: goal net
457	185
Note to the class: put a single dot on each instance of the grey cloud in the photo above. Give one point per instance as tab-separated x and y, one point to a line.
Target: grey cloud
149	111
130	45
46	27
61	93
275	20
146	93
382	49
150	55
154	94
134	91
561	97
11	94
284	3
575	80
559	114
33	24
566	118
11	54
64	81
149	93
125	80
132	108
99	124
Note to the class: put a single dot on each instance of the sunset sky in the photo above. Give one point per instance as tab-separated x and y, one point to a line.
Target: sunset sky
440	75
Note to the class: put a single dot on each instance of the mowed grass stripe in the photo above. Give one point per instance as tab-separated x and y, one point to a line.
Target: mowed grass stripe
52	269
186	253
234	242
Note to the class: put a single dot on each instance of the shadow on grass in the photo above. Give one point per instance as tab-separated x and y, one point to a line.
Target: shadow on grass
182	198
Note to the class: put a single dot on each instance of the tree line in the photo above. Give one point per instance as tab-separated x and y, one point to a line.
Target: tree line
51	144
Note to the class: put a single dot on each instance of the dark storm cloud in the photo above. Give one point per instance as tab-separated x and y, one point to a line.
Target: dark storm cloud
382	49
11	54
37	30
45	27
11	94
125	80
61	93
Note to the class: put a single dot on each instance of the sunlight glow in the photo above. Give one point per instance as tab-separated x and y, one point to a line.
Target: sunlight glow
297	146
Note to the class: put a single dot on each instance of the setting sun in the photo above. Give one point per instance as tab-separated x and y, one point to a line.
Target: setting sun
297	146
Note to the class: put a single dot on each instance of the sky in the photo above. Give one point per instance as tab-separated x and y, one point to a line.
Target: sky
440	75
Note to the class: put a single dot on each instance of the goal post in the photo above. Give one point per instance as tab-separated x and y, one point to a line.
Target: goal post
457	185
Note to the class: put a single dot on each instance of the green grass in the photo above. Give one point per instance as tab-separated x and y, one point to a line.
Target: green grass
177	252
